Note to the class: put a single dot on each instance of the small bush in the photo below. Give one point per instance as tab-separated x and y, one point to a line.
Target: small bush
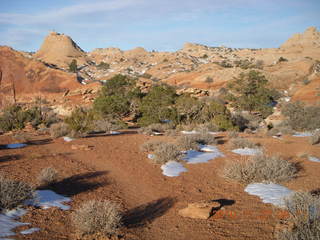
315	138
21	137
150	146
48	176
301	117
304	210
13	117
103	66
233	134
14	193
192	141
156	127
105	125
73	66
240	142
261	168
166	152
282	59
92	217
59	130
80	122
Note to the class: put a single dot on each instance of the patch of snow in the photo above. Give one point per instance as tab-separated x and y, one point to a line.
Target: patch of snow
16	145
151	156
68	139
30	231
173	169
47	199
246	151
156	134
115	133
8	222
269	193
302	134
313	159
194	157
277	137
189	132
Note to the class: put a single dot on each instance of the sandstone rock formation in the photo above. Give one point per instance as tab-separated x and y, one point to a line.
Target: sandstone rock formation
201	210
60	50
298	42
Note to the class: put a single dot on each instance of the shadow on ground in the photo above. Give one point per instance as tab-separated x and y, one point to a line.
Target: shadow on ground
146	213
8	158
80	183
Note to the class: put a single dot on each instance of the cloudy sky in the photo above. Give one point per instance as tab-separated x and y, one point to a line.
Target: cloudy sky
156	24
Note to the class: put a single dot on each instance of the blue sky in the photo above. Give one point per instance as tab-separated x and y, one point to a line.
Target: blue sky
163	25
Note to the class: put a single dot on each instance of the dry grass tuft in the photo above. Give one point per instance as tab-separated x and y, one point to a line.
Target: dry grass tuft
261	168
304	210
14	193
166	152
97	217
150	146
192	141
240	142
48	176
59	130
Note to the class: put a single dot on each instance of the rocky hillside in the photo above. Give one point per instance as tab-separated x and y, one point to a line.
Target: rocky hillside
294	67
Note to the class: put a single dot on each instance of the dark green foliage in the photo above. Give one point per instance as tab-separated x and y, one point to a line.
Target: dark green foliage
282	59
118	97
301	117
249	92
73	66
14	117
103	66
189	108
158	105
81	121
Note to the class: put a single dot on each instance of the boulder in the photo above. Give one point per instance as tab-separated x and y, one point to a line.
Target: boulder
200	210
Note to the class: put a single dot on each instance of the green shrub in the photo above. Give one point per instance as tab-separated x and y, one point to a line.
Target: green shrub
158	105
80	122
249	92
14	193
261	168
304	210
192	141
13	118
73	66
282	59
103	66
97	217
118	98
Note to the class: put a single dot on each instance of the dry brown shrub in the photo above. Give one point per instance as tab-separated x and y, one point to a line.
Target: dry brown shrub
14	193
97	217
261	168
48	176
59	130
241	142
166	152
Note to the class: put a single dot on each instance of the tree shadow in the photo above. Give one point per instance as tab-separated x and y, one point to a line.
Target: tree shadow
39	142
8	158
315	192
80	183
105	134
146	213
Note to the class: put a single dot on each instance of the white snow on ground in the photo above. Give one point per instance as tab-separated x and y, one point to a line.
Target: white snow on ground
16	145
246	151
8	222
47	199
173	169
269	193
151	156
29	231
115	133
208	148
302	134
313	159
68	139
194	157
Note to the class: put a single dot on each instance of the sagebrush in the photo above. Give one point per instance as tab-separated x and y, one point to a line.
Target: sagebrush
97	217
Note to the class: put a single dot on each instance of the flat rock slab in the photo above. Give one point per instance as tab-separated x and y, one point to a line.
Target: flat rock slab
201	210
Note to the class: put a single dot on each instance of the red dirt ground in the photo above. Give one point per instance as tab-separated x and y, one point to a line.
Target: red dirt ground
115	169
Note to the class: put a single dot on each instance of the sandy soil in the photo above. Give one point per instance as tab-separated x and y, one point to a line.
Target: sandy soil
115	169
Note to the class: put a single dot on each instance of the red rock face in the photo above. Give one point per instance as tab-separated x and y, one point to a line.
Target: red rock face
21	77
